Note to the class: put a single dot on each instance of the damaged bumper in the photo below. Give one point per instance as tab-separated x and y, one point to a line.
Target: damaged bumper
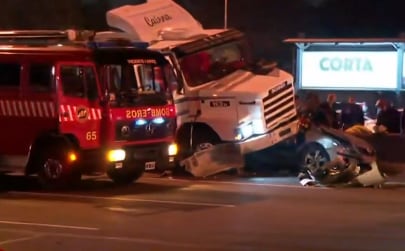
263	141
227	156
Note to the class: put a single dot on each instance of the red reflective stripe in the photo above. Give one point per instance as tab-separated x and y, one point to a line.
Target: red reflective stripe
93	112
15	111
8	106
33	110
21	109
45	109
27	108
63	113
3	108
39	109
52	108
69	108
89	114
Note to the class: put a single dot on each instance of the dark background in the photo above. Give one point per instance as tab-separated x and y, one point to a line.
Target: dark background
266	22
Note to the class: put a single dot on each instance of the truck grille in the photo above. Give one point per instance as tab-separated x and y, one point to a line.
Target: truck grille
144	132
279	106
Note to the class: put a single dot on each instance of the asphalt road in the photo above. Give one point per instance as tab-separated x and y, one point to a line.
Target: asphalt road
223	213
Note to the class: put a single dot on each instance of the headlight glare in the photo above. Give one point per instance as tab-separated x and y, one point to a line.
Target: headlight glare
172	149
116	155
244	131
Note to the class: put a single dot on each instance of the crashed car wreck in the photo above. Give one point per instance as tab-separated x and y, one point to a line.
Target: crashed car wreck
327	157
332	157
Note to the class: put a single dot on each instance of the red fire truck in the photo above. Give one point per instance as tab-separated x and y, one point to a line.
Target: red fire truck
69	108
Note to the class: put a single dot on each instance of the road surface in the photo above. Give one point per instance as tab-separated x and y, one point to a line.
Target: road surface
223	213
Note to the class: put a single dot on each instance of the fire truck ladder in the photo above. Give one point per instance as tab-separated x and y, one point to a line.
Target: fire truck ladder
44	37
87	38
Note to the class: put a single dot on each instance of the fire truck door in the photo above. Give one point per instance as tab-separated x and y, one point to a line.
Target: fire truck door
79	103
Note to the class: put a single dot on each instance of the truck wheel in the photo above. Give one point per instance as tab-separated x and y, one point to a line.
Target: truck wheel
125	175
312	156
55	171
203	139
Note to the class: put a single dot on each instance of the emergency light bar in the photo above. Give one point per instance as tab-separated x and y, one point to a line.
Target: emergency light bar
117	43
109	39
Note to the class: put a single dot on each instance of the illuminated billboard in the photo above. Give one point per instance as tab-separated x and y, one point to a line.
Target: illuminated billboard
349	70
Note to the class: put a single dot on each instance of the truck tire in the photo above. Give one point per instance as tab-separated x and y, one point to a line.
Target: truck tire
125	175
55	171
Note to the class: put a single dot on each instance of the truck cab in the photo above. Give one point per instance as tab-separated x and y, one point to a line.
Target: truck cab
137	100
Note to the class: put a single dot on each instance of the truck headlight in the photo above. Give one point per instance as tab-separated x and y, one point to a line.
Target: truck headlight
172	149
244	131
116	155
258	127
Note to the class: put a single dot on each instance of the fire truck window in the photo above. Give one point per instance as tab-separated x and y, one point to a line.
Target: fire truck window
41	77
160	84
91	83
73	81
171	78
9	75
113	77
149	76
128	81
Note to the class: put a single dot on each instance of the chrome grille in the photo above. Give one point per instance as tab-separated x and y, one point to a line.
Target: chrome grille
279	106
148	131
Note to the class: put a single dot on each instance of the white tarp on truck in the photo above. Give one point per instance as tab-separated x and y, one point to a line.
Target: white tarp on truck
146	22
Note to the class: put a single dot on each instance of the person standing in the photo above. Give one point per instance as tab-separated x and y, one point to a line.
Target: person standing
388	118
352	114
328	113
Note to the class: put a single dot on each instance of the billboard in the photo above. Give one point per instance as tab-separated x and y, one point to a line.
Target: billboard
403	72
349	70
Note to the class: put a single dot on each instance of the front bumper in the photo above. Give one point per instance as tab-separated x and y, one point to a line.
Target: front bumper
152	157
263	141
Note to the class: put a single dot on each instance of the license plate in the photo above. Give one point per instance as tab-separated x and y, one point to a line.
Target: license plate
151	165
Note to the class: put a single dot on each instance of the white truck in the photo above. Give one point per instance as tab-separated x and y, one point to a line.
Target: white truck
223	97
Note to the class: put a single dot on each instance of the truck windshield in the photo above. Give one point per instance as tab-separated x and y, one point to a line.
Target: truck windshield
213	63
130	83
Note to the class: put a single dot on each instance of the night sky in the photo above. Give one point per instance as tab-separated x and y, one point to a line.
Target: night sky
266	22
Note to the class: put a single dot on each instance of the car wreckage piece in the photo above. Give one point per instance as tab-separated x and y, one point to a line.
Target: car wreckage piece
216	159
